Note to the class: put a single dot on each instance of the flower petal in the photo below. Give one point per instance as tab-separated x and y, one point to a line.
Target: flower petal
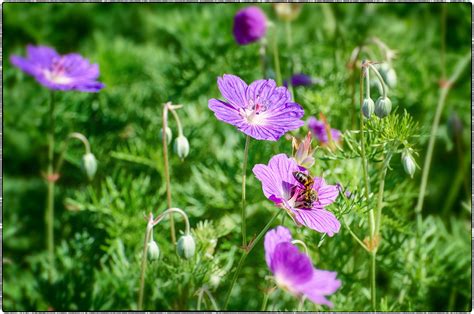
225	112
233	89
290	267
272	238
327	194
317	219
41	55
321	284
25	65
260	91
287	115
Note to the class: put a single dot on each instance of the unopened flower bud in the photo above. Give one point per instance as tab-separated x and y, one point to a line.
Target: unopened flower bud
186	246
408	163
383	106
169	134
153	251
181	146
287	11
89	165
368	107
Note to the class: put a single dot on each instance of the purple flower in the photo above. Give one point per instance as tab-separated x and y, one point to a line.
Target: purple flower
56	72
250	24
280	186
300	79
293	270
261	110
318	128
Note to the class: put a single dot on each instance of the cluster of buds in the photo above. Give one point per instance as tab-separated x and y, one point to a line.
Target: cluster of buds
181	144
383	106
186	246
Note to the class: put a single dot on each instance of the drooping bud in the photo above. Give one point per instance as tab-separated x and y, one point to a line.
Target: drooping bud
408	163
181	146
153	251
383	106
169	135
89	165
186	247
368	107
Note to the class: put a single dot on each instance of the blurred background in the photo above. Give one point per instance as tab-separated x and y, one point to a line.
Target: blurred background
152	53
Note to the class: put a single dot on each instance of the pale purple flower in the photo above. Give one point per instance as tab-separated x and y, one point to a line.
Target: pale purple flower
280	186
261	110
318	129
293	270
250	24
59	72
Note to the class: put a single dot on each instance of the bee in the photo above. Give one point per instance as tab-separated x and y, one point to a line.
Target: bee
308	196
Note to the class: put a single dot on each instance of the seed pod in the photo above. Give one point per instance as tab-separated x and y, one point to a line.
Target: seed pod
181	146
408	163
186	247
89	165
368	107
169	135
383	106
153	251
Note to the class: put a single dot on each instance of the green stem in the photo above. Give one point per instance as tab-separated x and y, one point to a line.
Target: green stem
289	41
366	181
51	184
266	296
262	52
149	230
354	235
377	73
373	295
74	135
245	254
276	58
383	173
167	172
244	176
434	130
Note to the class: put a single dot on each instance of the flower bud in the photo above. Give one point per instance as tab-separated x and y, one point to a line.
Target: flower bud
169	135
287	11
89	165
186	247
408	163
368	107
181	146
383	106
153	251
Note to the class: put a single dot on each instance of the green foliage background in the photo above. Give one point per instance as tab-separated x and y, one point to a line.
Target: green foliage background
152	53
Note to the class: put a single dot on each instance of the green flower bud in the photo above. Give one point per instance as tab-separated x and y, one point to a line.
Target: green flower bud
186	247
383	106
181	146
408	163
89	165
153	251
368	107
169	135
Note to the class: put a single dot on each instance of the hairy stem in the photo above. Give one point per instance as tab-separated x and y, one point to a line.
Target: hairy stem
245	254
244	177
49	217
167	172
149	230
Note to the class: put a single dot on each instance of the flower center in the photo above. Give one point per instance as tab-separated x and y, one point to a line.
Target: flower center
284	284
302	198
57	72
254	113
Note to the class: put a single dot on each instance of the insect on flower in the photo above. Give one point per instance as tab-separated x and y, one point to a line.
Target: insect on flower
308	196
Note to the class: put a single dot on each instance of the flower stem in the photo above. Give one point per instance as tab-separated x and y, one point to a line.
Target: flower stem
246	253
276	58
366	182
167	173
373	296
49	217
244	177
266	296
354	235
434	130
383	173
149	230
289	41
78	136
379	77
